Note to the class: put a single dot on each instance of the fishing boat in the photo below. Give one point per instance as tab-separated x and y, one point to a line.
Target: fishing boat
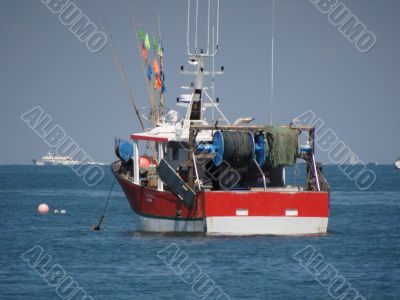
218	177
51	159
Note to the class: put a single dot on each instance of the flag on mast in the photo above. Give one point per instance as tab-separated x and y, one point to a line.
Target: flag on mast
149	73
154	42
147	41
156	69
141	33
160	51
144	52
157	83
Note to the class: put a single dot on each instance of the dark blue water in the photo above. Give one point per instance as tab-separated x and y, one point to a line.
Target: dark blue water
363	243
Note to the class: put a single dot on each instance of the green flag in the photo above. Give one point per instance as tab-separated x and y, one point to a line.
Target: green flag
154	42
147	42
141	34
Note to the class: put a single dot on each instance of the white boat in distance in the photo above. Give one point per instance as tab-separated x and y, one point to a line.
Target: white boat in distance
53	159
397	163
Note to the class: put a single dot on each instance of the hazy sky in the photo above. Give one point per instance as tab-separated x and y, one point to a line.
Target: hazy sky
43	64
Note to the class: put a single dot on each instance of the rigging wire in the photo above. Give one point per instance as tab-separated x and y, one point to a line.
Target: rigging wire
122	73
221	113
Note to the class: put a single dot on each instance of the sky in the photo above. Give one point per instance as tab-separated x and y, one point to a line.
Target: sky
42	63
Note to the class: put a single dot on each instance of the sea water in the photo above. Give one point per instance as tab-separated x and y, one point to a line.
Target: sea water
361	250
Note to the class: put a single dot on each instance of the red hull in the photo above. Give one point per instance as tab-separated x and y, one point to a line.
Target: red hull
229	212
150	202
272	204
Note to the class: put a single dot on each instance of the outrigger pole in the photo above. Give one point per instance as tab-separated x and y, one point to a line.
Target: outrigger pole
122	73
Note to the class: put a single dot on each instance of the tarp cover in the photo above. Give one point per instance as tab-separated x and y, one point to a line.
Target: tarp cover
282	146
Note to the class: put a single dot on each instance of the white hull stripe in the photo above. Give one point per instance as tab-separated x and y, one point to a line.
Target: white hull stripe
266	225
156	224
239	225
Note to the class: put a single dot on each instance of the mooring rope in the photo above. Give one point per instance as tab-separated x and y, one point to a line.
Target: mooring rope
105	207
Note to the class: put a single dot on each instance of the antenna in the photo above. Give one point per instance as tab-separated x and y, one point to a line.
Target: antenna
272	61
198	53
213	61
211	5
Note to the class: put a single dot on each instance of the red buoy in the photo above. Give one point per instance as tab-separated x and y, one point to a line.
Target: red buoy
43	209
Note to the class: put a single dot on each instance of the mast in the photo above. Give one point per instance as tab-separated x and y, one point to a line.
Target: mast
272	61
197	56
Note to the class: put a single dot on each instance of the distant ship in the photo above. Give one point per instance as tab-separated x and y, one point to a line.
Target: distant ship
53	159
353	160
397	163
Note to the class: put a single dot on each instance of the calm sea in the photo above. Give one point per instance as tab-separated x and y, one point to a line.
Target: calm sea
361	250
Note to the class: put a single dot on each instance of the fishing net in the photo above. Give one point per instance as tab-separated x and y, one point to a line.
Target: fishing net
282	146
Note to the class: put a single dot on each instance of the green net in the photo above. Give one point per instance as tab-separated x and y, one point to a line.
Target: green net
282	146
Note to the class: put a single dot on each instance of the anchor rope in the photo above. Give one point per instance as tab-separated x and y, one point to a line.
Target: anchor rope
105	207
